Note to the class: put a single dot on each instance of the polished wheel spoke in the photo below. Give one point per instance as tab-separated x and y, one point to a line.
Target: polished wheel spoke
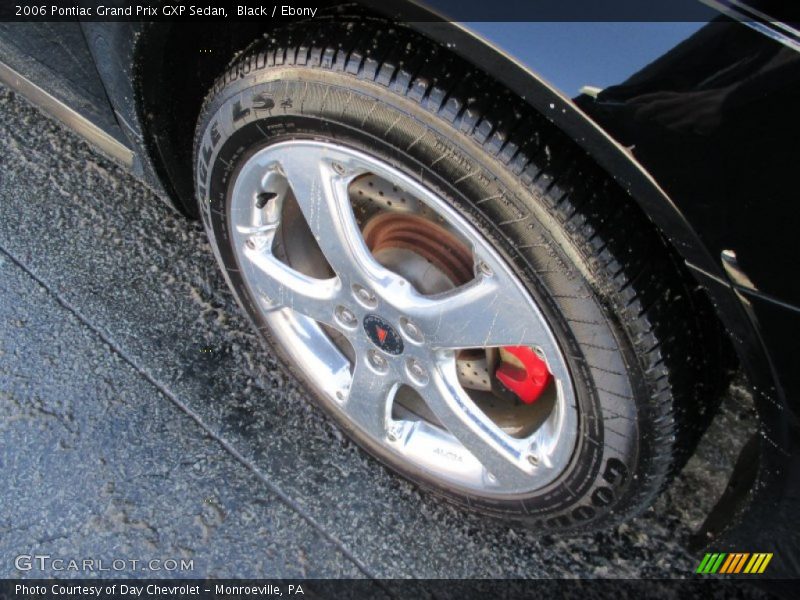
368	402
504	457
279	286
483	313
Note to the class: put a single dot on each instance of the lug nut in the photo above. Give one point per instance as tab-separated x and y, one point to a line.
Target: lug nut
533	460
393	434
338	168
377	361
411	331
485	269
416	371
345	316
364	296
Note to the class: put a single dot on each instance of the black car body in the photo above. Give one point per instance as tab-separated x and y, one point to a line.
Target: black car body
696	120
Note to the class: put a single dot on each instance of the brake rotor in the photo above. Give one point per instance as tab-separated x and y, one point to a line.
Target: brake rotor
390	232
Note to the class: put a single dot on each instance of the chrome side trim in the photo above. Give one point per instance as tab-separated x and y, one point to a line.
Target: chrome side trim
71	118
783	33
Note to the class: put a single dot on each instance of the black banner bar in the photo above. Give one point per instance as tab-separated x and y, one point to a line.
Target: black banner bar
403	10
209	589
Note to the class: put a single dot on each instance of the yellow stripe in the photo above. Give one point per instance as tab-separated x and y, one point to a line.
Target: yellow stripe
756	558
741	562
765	563
751	563
727	563
758	563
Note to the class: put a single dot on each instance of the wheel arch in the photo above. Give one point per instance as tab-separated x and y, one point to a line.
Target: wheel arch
174	67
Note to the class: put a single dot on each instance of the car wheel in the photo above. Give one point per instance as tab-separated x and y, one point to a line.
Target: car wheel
471	299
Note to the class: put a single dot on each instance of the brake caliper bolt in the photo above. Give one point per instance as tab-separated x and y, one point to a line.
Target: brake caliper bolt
364	296
345	316
412	332
377	361
416	371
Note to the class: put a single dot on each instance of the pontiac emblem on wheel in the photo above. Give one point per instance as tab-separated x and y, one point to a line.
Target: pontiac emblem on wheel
383	335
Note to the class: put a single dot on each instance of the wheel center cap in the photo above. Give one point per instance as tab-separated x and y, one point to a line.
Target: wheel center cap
383	335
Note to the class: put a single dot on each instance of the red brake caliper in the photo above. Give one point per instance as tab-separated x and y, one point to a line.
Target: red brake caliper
523	372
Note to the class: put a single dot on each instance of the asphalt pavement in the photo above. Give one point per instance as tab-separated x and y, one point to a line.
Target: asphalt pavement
140	418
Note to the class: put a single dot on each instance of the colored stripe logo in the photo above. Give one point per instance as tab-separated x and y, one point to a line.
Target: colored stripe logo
734	563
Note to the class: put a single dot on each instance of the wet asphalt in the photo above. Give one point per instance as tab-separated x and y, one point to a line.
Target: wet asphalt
141	419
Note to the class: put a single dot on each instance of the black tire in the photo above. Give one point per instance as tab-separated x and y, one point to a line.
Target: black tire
606	281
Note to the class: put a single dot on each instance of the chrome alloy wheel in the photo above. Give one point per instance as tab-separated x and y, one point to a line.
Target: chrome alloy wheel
361	332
